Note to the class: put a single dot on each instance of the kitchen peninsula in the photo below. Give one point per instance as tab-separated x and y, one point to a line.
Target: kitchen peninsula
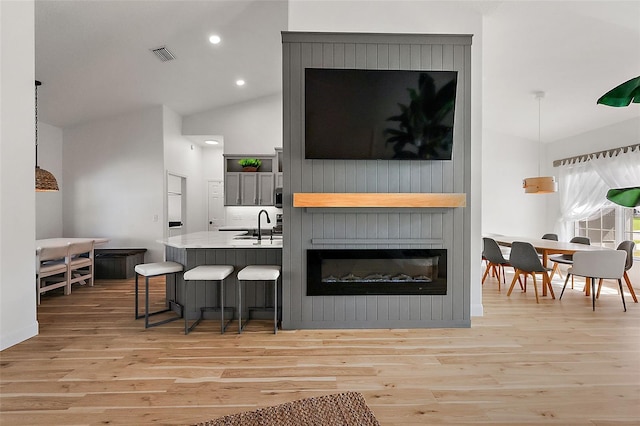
235	248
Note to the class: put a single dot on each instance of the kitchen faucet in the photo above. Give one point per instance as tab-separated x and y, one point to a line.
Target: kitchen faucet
268	221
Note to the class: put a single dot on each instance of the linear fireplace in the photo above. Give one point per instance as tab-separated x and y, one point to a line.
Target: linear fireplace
377	272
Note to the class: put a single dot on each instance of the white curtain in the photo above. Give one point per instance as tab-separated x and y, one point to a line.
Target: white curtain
583	185
619	171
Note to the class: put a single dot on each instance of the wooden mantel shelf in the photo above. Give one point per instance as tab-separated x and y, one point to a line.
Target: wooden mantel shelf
362	199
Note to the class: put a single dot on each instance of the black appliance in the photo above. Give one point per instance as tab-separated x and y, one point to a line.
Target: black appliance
278	197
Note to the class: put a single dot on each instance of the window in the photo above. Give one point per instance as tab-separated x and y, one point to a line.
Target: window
632	228
610	226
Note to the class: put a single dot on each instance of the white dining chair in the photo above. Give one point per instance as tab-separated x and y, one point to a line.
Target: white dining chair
51	270
605	264
80	260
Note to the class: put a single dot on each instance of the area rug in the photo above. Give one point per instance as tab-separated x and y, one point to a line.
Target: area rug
347	409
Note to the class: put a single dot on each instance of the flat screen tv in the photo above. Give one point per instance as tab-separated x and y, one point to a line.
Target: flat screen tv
379	114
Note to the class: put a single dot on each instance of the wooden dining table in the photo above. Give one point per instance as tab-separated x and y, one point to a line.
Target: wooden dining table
64	241
546	247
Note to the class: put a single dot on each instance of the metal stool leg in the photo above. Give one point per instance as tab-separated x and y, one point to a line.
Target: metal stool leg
222	326
188	328
239	307
275	307
260	275
147	314
146	302
136	298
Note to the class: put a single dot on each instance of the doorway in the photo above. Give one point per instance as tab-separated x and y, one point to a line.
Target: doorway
215	209
176	204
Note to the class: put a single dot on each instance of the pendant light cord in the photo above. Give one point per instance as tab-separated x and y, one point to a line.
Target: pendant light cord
539	96
539	141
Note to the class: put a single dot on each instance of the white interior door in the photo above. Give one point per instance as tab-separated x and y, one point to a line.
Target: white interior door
216	204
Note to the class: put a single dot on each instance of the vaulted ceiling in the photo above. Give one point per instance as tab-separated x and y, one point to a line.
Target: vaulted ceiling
94	59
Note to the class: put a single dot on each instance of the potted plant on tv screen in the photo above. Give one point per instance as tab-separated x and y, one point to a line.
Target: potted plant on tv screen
250	164
423	130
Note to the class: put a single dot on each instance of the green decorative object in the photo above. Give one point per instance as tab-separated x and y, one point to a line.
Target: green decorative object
622	95
250	164
626	197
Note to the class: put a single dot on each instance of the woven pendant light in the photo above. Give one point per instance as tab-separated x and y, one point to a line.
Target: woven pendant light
45	181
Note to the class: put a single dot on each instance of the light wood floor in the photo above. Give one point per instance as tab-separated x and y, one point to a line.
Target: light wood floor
553	363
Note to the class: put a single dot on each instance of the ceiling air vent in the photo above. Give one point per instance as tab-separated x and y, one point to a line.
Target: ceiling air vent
163	54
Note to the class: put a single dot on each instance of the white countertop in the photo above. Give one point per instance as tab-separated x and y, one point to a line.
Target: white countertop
220	239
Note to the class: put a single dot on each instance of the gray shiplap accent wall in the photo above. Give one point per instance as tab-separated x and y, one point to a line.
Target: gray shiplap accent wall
355	228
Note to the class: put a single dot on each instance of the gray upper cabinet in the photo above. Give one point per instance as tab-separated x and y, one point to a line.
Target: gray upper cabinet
265	189
232	196
249	188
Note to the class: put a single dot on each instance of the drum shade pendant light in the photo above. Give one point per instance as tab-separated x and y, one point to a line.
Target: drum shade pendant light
540	184
45	181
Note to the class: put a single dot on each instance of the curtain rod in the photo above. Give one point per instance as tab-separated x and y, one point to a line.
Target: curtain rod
585	157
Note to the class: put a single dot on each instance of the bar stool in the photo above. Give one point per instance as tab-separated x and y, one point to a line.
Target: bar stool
152	270
259	273
207	273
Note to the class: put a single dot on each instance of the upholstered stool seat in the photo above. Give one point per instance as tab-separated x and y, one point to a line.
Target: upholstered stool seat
254	273
207	273
151	270
159	268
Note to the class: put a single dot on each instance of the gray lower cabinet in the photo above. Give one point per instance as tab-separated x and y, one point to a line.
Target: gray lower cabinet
203	294
248	189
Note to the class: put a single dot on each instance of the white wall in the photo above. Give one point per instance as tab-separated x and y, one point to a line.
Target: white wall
184	158
423	17
620	134
114	181
49	204
253	127
506	209
213	163
17	176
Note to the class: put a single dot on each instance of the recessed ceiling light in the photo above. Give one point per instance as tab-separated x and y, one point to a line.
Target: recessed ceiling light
214	39
211	142
239	82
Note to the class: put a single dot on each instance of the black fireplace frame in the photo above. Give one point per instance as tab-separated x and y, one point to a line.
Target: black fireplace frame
316	287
